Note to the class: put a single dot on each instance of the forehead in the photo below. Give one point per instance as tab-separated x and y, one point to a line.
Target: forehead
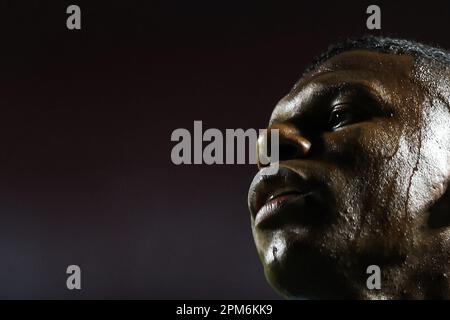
387	77
368	61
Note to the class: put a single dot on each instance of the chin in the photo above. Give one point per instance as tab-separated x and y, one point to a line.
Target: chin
301	272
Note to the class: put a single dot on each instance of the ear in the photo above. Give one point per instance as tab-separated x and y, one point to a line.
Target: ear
439	213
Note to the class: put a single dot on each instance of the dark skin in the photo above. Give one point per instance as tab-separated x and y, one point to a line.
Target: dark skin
364	170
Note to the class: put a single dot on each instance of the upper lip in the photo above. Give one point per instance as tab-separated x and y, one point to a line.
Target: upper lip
266	187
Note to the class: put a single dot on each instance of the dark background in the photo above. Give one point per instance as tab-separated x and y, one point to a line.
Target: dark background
86	117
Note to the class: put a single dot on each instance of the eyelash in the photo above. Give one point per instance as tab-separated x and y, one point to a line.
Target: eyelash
342	115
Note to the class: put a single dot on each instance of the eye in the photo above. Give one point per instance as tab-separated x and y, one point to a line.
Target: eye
342	115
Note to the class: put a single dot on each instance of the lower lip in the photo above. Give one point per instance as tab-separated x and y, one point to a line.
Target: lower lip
274	207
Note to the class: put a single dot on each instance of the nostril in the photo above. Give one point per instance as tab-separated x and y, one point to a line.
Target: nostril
288	151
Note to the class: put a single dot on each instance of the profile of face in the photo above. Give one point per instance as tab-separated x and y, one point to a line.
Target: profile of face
364	165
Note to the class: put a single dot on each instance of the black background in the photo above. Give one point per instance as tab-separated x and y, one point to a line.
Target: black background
86	117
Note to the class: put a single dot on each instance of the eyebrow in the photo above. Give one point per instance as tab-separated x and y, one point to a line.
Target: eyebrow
299	101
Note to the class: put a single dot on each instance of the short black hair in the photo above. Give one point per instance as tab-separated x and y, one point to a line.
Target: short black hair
383	45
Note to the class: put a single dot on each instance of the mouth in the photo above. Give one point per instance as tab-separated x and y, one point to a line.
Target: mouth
282	196
277	204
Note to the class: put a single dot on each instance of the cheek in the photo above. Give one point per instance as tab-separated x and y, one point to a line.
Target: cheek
432	168
362	146
368	156
365	154
393	172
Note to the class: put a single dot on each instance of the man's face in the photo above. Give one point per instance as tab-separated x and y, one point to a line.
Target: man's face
364	155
